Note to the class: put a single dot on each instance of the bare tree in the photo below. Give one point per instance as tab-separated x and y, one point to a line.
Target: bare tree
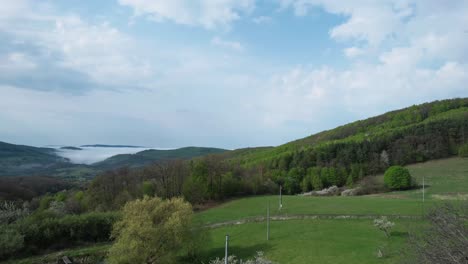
445	240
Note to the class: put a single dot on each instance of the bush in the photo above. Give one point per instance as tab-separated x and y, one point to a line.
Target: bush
370	185
10	241
48	230
384	225
152	230
397	178
258	259
444	239
463	151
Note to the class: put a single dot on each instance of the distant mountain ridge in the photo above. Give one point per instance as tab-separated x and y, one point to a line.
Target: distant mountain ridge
417	133
21	160
413	134
109	146
146	157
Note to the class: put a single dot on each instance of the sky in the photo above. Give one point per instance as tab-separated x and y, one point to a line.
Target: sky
220	73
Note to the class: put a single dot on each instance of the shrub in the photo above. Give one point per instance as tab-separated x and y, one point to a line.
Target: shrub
152	230
463	151
444	239
258	259
47	229
370	185
397	178
10	241
11	212
384	225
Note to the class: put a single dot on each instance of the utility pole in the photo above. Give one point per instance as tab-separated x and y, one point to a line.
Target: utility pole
268	221
423	196
281	198
226	250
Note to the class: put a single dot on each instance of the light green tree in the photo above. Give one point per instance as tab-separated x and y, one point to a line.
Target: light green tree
152	230
10	241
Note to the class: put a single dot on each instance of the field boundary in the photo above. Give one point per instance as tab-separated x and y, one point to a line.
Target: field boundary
258	219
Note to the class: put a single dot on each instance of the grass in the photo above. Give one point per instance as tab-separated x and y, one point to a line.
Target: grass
320	241
444	178
96	252
312	241
298	205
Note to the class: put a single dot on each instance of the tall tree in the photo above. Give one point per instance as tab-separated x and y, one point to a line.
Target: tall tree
152	230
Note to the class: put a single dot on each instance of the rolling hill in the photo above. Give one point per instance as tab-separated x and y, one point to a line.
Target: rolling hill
146	157
19	160
418	133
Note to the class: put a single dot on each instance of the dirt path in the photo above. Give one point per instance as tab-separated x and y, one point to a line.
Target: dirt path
301	217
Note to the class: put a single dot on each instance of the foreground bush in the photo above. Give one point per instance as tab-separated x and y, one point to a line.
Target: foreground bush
463	151
445	240
10	241
397	178
47	230
259	259
152	230
384	225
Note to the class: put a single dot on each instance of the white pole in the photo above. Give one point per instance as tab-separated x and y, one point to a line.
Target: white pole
226	250
423	196
268	221
423	190
281	198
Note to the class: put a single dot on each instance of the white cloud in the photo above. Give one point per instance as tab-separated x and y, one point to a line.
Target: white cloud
103	52
305	95
399	54
98	51
209	14
262	20
17	61
415	51
353	52
217	41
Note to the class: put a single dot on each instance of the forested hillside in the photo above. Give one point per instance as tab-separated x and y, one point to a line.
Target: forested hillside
414	134
146	157
19	159
342	156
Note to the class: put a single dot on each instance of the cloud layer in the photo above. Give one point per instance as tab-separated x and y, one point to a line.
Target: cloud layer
194	72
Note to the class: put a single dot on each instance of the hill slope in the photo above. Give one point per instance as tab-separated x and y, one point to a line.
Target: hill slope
417	133
19	159
146	157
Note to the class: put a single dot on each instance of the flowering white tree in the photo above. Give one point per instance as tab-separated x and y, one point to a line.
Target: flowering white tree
384	225
258	259
10	212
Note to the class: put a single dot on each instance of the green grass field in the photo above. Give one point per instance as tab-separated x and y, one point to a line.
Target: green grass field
297	205
324	240
445	178
334	241
312	241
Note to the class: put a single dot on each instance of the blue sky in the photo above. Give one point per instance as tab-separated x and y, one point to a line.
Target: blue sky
224	73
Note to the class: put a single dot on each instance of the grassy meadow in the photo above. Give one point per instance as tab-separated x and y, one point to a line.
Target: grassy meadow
335	240
313	241
323	240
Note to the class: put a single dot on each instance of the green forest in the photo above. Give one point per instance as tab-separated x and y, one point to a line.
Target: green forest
45	214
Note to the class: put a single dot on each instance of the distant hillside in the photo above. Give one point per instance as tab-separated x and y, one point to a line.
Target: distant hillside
71	148
417	133
109	146
19	159
146	157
